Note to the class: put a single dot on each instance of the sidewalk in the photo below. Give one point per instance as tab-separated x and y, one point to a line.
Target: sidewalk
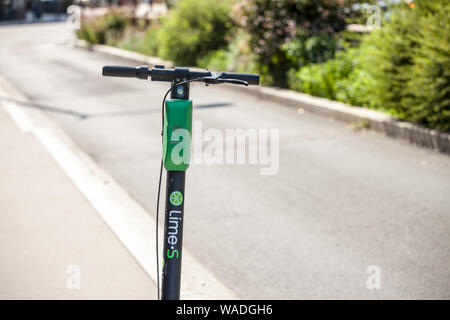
49	231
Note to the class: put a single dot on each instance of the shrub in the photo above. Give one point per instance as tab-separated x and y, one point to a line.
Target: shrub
403	68
428	93
237	56
192	29
341	78
314	49
142	42
89	33
389	60
273	24
409	60
148	45
106	29
215	60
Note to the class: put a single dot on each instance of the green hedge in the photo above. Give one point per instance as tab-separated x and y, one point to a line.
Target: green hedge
192	29
428	90
286	34
342	78
238	56
106	29
409	60
402	68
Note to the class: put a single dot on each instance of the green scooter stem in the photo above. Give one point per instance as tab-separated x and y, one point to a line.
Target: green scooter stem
177	133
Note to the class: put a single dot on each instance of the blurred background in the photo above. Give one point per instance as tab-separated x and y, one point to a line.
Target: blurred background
346	196
322	48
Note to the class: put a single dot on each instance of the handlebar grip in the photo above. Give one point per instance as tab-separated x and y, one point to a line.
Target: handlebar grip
140	72
250	78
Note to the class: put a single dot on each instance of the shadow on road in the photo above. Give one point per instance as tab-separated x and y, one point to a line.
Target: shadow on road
45	108
213	105
85	116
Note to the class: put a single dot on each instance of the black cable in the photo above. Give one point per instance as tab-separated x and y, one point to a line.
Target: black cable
157	216
160	179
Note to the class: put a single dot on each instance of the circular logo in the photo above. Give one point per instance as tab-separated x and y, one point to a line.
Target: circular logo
176	198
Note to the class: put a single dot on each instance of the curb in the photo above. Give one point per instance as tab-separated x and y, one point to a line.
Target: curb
121	53
375	120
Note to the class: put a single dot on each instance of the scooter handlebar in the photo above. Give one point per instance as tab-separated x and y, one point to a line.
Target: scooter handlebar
161	74
141	72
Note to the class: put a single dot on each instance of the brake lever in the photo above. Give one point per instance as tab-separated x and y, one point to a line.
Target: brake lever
233	81
212	79
216	79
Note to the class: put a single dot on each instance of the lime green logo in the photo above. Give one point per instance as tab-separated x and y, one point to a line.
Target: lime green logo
176	198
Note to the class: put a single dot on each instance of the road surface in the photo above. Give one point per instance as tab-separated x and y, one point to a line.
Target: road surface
342	200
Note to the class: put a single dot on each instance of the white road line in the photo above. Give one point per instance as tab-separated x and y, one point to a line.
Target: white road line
24	123
131	223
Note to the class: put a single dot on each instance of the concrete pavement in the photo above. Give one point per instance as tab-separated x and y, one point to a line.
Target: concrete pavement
53	243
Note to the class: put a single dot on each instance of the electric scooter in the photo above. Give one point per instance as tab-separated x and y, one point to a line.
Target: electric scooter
176	140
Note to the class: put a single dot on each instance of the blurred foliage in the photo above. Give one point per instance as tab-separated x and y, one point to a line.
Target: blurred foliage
313	49
280	29
428	92
170	3
134	39
238	56
342	78
409	61
106	29
192	29
388	56
402	68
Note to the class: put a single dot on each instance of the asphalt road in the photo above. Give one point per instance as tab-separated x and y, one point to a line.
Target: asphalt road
342	200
